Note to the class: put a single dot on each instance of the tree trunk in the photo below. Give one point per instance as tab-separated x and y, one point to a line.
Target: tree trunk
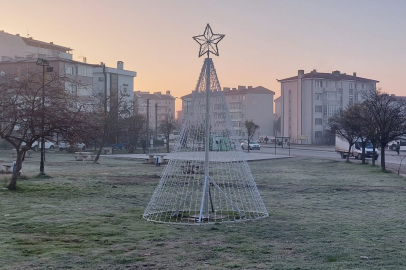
383	167
167	144
348	154
373	154
363	152
19	164
96	159
248	145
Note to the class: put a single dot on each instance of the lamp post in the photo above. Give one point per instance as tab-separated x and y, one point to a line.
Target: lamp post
44	63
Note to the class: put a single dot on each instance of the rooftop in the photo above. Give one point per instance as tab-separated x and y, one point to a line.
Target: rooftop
155	95
241	90
37	43
335	75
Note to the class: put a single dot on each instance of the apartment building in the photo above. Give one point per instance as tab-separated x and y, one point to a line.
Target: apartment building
308	100
246	103
16	46
116	84
92	81
159	105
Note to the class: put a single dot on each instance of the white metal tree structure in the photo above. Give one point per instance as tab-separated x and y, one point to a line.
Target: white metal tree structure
208	179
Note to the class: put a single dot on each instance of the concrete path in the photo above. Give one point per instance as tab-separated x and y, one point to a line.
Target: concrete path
252	156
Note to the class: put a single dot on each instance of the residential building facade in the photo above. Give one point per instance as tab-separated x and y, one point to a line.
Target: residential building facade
16	46
116	84
246	103
88	81
308	100
159	106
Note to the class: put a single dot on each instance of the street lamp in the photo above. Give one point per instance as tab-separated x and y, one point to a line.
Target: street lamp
45	66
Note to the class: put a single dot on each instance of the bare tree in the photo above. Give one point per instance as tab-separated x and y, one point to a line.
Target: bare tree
133	126
108	108
387	114
251	128
29	111
345	126
167	126
355	114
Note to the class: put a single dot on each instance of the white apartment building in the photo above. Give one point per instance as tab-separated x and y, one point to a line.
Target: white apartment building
116	84
246	103
308	100
159	106
16	46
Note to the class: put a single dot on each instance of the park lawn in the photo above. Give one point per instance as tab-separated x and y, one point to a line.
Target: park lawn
324	214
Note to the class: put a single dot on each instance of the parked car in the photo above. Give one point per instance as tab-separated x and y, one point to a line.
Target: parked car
65	145
36	146
393	144
253	145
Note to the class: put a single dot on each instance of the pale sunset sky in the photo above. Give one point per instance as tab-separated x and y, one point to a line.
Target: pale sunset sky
265	40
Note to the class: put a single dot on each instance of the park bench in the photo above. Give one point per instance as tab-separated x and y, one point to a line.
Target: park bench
13	153
152	158
81	156
107	150
7	167
193	168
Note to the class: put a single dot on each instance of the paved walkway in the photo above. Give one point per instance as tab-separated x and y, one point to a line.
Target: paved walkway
252	156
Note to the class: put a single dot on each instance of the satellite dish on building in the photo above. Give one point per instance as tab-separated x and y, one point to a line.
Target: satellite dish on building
2	74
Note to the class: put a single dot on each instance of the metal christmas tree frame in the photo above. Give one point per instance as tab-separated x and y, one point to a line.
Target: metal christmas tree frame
208	179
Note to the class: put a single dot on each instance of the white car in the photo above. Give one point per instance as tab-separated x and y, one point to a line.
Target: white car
36	146
253	145
66	145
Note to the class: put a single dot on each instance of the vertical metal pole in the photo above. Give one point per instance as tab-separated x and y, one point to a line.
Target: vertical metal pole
41	167
147	139
205	197
156	120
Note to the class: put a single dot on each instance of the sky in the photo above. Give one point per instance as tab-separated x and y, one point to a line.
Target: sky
265	40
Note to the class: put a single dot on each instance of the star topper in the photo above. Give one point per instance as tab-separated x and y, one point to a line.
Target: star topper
208	42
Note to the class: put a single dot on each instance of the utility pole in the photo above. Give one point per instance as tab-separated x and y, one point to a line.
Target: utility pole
45	66
41	167
147	129
156	120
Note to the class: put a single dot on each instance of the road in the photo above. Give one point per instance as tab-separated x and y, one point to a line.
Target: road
392	160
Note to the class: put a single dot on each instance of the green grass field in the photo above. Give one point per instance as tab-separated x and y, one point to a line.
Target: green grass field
323	215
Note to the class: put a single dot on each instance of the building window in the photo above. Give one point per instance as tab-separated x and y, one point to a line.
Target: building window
351	92
318	134
362	86
350	85
330	110
318	121
333	96
318	96
69	70
319	83
318	109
